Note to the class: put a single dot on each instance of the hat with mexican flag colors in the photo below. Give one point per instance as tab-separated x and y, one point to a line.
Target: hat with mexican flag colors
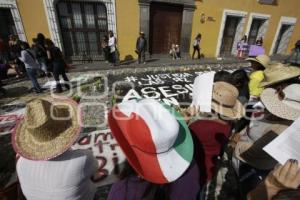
154	138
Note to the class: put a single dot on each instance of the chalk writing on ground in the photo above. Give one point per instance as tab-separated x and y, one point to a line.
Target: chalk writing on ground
106	150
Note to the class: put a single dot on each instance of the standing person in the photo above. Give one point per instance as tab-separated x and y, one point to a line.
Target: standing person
196	45
58	62
31	66
105	48
48	168
173	52
41	53
242	47
141	47
112	43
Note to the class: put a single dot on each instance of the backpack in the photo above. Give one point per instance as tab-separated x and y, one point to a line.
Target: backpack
225	185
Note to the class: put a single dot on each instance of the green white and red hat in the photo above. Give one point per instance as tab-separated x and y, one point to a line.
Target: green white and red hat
154	137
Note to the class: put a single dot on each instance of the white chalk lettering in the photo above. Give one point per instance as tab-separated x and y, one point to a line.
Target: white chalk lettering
149	92
131	94
171	101
164	90
180	89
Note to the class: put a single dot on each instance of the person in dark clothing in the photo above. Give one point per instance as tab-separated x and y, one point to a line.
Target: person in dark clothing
223	76
41	54
58	62
15	52
105	48
240	80
196	45
41	39
141	48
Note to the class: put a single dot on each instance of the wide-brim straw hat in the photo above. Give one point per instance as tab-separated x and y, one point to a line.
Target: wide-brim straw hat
50	127
154	137
264	60
225	101
285	104
278	73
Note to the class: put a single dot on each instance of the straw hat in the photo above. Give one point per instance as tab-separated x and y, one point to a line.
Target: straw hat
264	60
154	138
49	128
278	73
225	101
285	105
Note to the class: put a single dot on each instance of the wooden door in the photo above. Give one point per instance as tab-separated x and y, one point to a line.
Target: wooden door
165	27
254	30
229	35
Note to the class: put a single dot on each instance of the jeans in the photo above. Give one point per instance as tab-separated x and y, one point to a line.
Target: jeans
32	76
59	69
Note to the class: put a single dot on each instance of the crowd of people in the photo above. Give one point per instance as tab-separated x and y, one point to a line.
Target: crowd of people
211	150
42	58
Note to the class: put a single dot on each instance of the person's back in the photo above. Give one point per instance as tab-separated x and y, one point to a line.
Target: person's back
212	136
66	177
56	54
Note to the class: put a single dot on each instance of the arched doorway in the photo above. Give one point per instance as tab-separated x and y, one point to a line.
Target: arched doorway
82	26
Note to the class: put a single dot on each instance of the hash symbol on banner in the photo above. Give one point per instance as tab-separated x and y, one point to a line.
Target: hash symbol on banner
131	79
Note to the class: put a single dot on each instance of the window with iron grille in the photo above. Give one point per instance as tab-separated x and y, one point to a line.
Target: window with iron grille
82	26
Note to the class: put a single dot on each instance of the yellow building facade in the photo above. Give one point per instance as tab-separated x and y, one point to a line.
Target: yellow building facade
78	26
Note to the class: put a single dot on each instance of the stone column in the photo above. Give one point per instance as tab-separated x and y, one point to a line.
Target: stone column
186	29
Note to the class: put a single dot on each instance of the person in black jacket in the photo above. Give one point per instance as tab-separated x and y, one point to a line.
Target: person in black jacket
141	48
41	53
58	63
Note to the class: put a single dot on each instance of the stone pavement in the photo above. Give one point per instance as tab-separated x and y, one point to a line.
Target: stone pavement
157	61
